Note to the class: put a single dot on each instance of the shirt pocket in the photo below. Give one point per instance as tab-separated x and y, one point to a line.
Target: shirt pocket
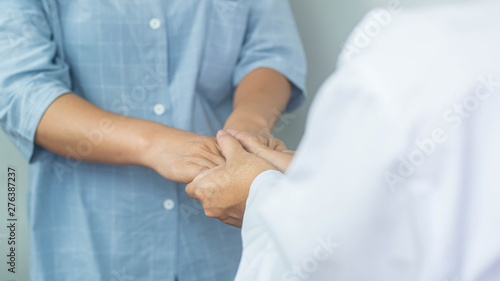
226	27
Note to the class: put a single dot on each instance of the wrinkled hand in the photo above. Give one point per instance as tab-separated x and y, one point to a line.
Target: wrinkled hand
262	134
266	139
252	144
181	156
223	190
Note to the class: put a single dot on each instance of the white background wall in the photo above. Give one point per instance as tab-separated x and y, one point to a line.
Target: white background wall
323	24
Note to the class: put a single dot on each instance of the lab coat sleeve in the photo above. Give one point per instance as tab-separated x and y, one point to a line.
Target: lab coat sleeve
32	74
260	256
272	41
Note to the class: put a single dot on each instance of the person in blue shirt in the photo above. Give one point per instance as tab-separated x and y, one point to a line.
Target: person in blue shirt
115	105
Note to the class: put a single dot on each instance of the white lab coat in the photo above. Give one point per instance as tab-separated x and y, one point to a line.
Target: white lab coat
398	174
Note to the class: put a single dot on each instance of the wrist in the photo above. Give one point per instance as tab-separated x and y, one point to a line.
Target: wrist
150	144
247	122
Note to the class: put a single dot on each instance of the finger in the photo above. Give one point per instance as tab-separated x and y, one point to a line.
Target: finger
191	189
191	171
203	161
280	145
215	154
279	159
217	159
214	157
250	143
264	138
271	141
232	132
228	145
232	221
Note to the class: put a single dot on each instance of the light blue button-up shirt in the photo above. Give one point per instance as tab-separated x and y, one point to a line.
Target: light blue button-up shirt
175	62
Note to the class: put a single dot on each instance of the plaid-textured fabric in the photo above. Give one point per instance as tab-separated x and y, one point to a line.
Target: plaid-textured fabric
175	62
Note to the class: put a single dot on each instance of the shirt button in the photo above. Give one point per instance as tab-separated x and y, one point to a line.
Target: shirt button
154	23
168	204
159	109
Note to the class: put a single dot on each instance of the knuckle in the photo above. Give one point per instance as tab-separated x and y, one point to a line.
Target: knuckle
264	134
213	213
199	193
190	189
252	140
205	143
244	135
199	170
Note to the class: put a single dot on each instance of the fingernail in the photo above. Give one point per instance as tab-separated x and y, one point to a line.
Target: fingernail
232	132
221	133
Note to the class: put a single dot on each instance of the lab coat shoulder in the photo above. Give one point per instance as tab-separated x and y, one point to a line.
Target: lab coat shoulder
383	26
414	55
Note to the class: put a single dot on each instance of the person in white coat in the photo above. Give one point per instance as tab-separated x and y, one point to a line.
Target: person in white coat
398	174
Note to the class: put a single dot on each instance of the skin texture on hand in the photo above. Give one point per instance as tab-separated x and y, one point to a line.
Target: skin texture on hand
223	190
259	101
181	156
266	139
252	144
74	128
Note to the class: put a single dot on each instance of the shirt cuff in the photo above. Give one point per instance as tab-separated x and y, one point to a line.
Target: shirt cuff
36	111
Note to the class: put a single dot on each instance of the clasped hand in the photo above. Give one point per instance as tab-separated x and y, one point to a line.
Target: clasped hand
219	170
223	189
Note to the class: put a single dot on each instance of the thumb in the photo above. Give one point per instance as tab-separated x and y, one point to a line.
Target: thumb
229	145
249	142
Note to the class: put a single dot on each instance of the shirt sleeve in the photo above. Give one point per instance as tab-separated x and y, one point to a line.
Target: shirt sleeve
272	41
32	74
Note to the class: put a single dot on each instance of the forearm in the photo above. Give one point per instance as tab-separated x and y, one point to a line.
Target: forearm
259	100
74	128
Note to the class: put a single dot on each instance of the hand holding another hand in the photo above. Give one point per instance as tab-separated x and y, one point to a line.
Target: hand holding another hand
180	156
264	138
276	155
223	190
